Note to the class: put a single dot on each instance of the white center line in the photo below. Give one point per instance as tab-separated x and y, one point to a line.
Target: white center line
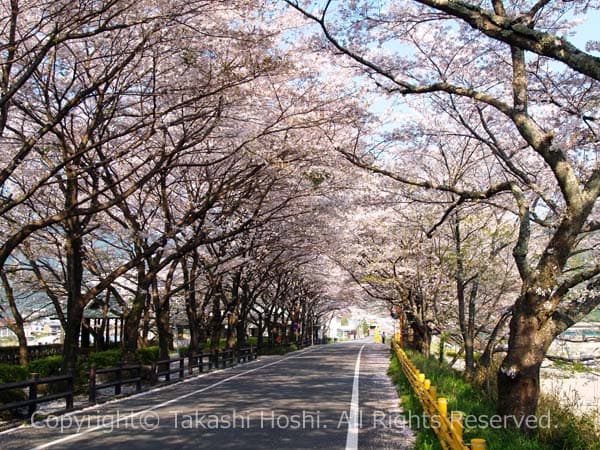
352	436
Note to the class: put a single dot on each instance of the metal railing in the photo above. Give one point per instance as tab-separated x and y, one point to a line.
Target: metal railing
449	429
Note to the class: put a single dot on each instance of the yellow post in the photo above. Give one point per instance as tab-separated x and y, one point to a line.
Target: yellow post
478	444
433	393
442	403
456	420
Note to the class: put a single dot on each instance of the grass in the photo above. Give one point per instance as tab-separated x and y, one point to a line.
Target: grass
574	366
566	430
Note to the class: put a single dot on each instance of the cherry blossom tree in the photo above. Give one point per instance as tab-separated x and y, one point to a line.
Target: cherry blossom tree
504	75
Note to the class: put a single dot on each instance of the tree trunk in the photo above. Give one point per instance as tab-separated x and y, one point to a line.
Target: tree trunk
240	327
216	323
131	325
261	331
71	342
465	311
144	338
161	309
519	374
75	307
421	340
192	316
484	363
191	307
18	327
232	321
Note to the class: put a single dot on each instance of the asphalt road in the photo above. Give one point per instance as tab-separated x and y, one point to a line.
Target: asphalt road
317	398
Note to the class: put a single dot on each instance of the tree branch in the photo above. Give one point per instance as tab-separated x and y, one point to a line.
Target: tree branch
513	32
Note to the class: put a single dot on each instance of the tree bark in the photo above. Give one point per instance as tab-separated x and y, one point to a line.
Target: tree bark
18	327
464	310
75	306
131	325
216	323
519	375
232	320
161	310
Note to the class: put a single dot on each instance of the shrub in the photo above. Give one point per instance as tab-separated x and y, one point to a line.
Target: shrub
569	428
46	367
184	350
147	355
10	374
106	358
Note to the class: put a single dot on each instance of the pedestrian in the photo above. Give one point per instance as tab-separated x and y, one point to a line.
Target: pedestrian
383	337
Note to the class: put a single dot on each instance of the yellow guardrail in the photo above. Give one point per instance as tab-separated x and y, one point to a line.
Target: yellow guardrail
449	429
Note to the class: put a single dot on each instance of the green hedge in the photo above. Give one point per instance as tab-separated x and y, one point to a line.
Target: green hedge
46	367
10	374
106	358
147	355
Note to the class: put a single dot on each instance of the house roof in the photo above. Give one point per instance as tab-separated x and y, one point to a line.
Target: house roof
95	310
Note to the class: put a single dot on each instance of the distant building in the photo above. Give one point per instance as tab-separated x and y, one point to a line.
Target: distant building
344	327
5	331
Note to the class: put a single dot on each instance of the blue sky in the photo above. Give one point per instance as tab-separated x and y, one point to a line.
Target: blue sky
588	31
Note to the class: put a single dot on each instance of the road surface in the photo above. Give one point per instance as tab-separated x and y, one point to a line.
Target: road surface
323	397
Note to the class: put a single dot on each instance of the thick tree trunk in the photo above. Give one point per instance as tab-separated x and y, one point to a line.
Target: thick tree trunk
261	331
216	324
163	324
131	325
192	316
144	337
421	337
240	328
71	342
23	351
232	320
191	311
519	374
75	307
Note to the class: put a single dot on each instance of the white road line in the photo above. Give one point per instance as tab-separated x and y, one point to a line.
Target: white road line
160	405
352	436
